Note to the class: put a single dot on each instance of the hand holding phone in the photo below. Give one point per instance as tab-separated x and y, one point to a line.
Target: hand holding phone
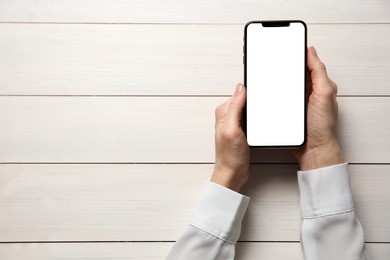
322	146
275	78
232	153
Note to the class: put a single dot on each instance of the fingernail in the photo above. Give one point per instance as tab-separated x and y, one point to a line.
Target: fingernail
238	89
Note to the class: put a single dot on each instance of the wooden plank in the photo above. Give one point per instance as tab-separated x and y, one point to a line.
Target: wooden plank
153	202
258	251
174	11
108	251
156	250
54	59
158	129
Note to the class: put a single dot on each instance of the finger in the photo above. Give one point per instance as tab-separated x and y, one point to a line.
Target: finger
333	85
316	67
319	76
236	106
220	112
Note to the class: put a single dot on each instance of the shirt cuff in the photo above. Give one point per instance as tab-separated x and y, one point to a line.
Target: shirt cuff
220	211
325	191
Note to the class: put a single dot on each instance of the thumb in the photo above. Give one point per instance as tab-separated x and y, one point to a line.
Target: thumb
236	106
317	67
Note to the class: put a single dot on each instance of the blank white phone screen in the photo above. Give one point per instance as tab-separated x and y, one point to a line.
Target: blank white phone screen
275	84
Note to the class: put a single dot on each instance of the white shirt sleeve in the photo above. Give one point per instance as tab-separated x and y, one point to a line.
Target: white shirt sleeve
214	227
330	228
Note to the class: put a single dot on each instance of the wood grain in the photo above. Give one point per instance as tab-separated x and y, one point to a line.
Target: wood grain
168	64
158	129
157	251
174	11
153	202
102	59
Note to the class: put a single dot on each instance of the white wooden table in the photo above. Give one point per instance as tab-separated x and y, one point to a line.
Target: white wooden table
107	113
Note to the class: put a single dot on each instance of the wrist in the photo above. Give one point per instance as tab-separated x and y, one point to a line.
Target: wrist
229	178
318	157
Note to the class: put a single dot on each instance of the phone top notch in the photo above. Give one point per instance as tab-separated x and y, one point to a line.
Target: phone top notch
276	24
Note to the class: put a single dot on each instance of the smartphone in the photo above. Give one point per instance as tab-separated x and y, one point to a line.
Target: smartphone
275	78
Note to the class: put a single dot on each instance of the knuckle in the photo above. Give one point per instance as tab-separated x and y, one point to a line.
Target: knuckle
334	86
329	92
329	88
218	110
229	134
321	65
233	105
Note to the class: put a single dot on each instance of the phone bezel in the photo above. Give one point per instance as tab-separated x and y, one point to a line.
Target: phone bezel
278	23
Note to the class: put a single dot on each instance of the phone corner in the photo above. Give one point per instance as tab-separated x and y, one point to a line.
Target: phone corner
302	143
302	22
247	24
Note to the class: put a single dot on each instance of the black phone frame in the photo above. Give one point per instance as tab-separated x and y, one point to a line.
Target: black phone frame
276	23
